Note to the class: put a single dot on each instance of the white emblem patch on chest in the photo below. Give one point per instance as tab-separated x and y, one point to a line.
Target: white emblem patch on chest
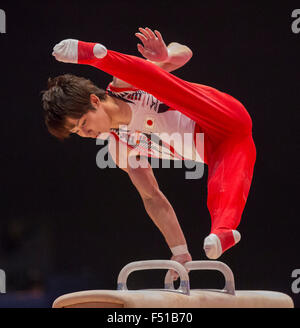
149	123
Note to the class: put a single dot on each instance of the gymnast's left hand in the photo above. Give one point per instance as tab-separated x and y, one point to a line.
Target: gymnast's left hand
154	47
182	259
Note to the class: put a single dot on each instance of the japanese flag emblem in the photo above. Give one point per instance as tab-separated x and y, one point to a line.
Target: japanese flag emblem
149	122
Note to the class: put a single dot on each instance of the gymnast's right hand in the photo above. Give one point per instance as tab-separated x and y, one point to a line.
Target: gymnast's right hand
182	259
72	51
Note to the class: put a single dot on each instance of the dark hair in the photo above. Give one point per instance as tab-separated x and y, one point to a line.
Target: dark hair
67	96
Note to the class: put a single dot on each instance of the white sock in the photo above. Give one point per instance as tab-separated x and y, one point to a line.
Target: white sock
66	51
212	244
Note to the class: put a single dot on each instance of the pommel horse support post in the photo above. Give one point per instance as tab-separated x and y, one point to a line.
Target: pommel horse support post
169	297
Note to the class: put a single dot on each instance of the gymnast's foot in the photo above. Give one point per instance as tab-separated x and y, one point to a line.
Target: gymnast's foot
74	51
217	243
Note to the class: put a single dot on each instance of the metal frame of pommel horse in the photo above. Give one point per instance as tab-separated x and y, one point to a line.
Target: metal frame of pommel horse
169	297
184	287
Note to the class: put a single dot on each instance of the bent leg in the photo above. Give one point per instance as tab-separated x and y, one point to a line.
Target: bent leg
230	171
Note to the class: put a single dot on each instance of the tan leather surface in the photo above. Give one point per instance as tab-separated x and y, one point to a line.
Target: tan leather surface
166	299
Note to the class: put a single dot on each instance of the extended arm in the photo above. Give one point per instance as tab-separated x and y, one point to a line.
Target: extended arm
156	204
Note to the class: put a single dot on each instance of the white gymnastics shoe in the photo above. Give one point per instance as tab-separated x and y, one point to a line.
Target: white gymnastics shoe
212	244
66	51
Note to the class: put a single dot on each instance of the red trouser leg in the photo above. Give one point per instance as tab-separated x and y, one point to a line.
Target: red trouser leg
230	171
229	147
217	113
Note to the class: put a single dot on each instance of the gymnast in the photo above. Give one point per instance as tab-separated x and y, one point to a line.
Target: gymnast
147	98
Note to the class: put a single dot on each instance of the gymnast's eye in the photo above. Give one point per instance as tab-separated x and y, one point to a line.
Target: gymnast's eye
83	123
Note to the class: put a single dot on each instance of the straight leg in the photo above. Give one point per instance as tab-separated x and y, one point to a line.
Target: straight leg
216	112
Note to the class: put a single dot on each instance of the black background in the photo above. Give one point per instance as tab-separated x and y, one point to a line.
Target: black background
66	225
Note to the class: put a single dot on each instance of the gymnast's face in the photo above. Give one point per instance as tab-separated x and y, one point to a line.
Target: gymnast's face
91	124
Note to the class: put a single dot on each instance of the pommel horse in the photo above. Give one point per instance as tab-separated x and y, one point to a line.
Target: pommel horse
169	297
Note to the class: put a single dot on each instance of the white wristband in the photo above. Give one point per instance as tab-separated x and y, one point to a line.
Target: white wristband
179	250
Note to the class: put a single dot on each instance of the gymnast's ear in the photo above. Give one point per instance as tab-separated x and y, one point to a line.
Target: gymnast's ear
95	101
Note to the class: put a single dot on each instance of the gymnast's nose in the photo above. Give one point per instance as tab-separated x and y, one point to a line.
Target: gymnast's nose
87	133
91	133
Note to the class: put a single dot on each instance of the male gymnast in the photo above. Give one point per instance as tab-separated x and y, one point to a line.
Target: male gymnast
148	99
